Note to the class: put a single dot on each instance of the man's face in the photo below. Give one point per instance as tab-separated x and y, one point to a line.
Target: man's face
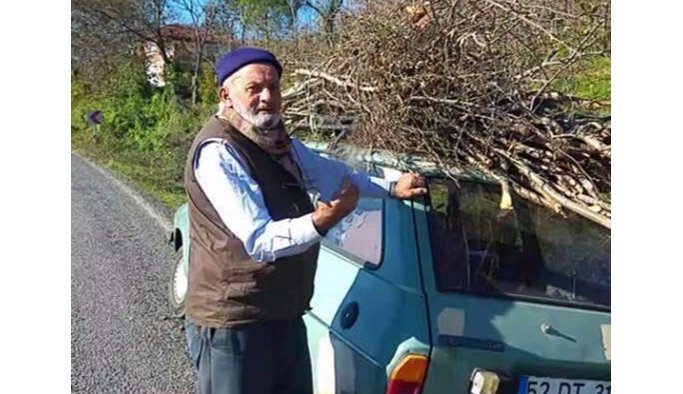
255	95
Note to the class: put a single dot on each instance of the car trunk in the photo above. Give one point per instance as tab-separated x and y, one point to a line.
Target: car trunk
514	339
514	291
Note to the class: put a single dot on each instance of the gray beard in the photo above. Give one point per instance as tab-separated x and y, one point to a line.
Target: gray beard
265	138
261	122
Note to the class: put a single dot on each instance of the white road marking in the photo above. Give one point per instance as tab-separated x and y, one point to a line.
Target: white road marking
164	222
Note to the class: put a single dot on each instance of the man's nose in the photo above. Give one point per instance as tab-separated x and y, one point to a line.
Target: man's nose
266	95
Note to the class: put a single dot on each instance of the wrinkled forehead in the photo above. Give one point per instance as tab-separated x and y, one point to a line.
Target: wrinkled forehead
258	73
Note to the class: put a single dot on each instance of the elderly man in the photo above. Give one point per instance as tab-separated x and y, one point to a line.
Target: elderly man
255	233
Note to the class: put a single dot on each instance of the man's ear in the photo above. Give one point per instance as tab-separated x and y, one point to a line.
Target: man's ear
225	97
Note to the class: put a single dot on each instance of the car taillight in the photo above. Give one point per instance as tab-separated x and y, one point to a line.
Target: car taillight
408	376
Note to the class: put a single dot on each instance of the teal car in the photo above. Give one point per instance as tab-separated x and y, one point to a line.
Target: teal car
469	290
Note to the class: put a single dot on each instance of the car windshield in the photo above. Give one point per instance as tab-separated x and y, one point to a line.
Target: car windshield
528	251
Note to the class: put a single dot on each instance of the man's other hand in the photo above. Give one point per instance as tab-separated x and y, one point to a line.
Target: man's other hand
344	201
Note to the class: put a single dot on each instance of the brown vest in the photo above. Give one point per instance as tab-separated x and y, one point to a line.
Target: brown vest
226	287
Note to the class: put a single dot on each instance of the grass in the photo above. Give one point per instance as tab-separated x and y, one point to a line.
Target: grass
161	185
591	81
171	198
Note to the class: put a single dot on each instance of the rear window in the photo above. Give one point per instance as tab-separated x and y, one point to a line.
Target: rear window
529	251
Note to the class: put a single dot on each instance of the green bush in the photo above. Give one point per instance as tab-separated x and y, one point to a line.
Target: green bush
208	89
146	131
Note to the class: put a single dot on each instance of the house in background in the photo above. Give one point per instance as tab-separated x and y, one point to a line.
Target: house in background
180	48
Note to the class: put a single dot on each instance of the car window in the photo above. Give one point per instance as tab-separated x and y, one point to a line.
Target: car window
527	251
361	232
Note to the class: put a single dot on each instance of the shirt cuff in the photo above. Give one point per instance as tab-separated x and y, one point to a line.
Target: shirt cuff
385	184
308	231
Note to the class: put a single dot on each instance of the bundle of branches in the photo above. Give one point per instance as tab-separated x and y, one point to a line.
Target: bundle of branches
466	83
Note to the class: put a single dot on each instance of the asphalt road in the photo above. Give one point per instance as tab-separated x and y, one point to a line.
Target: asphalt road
122	339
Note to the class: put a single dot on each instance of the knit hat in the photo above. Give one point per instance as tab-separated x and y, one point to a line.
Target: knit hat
232	61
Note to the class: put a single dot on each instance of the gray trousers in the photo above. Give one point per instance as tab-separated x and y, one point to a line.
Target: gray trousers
259	358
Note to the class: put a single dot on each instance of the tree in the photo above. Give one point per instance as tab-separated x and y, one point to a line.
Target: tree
97	46
327	10
203	17
266	18
142	20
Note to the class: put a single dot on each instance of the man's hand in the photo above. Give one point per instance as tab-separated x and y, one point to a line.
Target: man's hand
410	185
343	202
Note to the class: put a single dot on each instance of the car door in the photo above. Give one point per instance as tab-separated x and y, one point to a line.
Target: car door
368	303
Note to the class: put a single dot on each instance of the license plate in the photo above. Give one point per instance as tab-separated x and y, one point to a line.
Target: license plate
538	385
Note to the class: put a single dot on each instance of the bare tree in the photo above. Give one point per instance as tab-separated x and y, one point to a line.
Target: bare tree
294	7
141	19
203	20
96	46
327	10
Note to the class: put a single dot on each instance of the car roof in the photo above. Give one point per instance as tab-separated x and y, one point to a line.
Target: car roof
398	161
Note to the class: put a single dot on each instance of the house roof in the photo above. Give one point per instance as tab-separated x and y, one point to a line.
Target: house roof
180	32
